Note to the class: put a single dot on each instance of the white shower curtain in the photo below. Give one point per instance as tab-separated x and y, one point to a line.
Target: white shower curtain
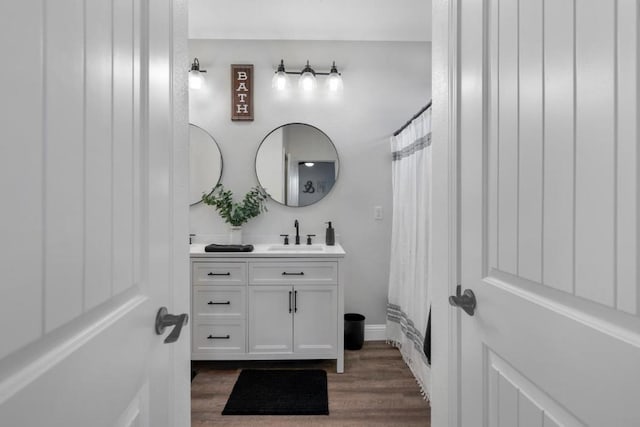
409	292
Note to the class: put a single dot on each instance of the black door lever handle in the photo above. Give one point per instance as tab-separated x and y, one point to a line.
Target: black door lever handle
164	320
466	301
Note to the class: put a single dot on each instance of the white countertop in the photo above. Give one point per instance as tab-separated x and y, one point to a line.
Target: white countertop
273	250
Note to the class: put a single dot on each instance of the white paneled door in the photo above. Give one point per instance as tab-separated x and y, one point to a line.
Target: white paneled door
93	223
549	199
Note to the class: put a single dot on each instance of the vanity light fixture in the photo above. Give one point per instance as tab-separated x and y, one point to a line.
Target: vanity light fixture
309	164
307	81
196	80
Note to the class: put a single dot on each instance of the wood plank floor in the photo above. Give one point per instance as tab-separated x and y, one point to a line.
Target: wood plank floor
376	389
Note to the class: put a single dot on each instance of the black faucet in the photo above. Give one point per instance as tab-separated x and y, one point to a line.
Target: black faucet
296	224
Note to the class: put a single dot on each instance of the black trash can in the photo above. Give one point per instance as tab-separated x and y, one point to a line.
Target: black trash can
353	331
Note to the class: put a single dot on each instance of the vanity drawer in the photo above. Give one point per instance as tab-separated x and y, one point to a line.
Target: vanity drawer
221	337
219	273
309	272
220	302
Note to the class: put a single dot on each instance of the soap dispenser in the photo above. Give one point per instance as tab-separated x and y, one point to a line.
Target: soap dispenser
330	239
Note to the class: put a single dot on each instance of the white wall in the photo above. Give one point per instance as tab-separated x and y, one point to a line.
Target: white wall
370	20
385	83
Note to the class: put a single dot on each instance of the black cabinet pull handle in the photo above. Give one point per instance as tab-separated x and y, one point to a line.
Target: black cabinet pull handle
289	301
219	303
211	337
219	274
295	301
284	273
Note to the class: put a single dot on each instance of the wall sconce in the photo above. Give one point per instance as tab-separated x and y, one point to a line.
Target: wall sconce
196	80
307	81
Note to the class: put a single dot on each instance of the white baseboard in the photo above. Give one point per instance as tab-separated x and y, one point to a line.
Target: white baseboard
375	332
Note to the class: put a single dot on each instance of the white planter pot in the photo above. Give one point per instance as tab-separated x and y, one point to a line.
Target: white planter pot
235	236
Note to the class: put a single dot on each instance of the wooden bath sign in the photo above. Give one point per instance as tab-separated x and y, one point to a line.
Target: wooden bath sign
242	92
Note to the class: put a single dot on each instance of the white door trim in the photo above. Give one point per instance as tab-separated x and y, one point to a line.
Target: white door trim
445	402
181	277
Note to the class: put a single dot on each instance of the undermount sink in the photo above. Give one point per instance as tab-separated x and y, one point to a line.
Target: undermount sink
296	248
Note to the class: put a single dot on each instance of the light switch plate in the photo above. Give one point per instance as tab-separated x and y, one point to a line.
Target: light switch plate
377	212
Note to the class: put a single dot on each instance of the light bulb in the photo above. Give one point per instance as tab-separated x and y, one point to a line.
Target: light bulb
307	82
309	164
334	81
280	81
195	80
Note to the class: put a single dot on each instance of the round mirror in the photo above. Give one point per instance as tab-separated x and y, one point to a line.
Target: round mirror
206	163
297	164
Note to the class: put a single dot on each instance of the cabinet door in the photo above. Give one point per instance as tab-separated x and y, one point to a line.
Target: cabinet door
270	319
315	328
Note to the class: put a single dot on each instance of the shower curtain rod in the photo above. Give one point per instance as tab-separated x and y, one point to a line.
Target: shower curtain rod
422	110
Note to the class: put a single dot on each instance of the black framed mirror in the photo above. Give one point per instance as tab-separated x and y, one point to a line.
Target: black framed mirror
297	164
205	168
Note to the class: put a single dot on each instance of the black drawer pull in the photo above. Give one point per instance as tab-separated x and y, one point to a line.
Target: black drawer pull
219	274
211	337
219	303
284	273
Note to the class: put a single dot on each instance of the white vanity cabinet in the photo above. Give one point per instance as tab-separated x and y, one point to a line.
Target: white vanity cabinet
268	305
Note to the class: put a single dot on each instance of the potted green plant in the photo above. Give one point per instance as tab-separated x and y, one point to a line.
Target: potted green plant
236	214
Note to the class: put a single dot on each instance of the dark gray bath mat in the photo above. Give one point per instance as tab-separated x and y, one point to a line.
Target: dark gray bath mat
279	392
